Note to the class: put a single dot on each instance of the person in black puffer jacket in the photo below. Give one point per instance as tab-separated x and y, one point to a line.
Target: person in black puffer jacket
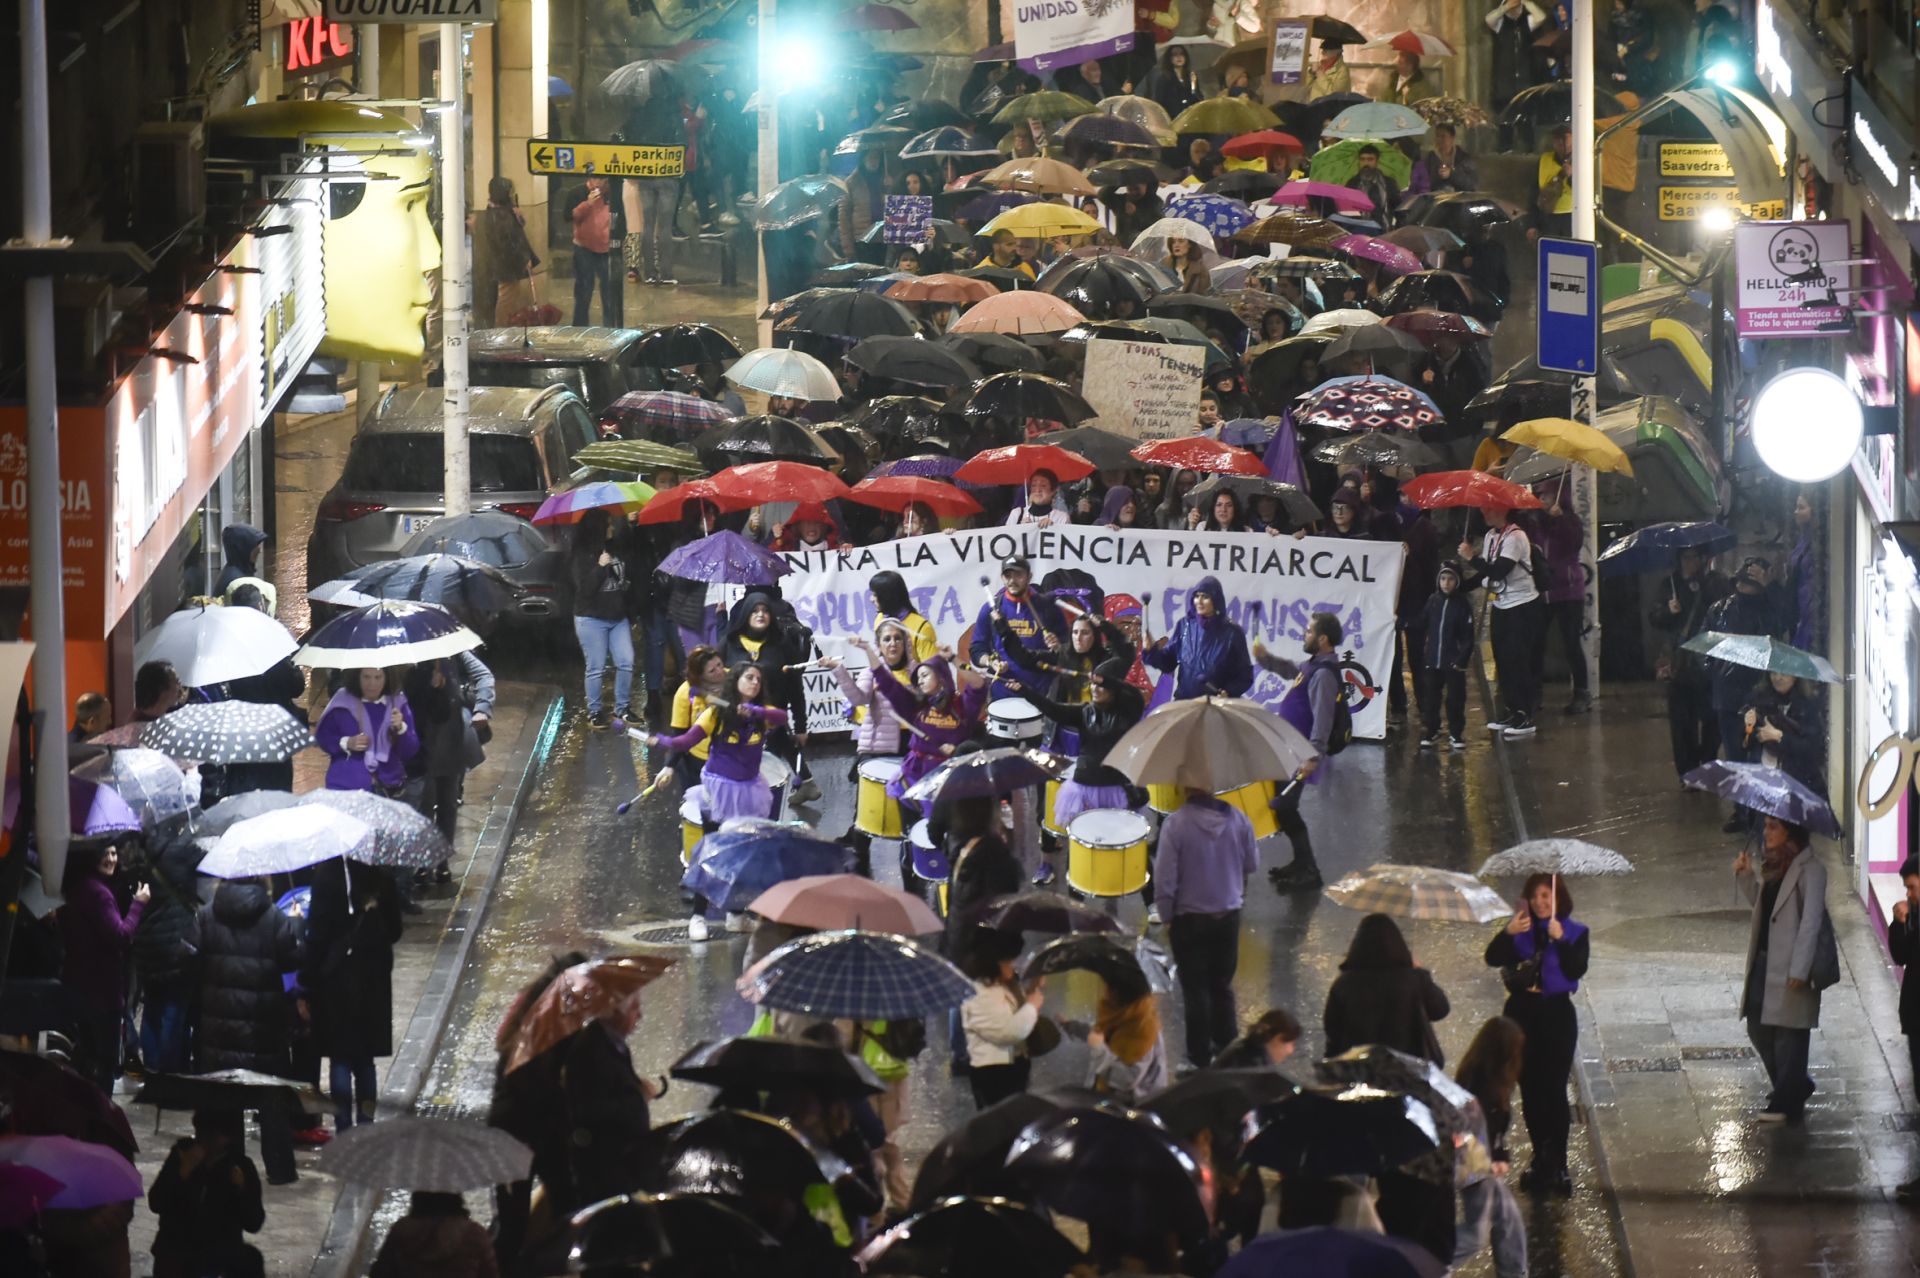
163	949
246	947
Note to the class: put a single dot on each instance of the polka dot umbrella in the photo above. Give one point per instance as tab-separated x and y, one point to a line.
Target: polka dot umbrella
228	732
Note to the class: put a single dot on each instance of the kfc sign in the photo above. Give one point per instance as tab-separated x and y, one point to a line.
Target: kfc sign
315	44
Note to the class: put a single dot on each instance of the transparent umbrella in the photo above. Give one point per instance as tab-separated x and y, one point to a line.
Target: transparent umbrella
401	837
151	783
286	840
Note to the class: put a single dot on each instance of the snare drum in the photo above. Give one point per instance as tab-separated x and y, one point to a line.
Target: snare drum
775	772
1015	719
929	862
1052	793
877	815
1107	852
1165	797
1254	799
693	823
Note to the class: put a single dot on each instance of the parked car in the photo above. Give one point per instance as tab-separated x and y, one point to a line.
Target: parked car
598	364
521	442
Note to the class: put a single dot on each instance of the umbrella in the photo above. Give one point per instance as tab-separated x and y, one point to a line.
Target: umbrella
878	137
1220	214
1200	453
227	813
1545	105
1439	330
403	838
669	506
1371	450
98	811
1458	112
947	142
229	732
1298	508
386	634
49	1097
89	1175
618	498
1224	115
765	437
1100	129
1152	242
778	481
739	1155
1111	1168
1100	954
1338	163
1245	185
1464	210
800	200
993	352
214	643
918	466
1248	432
638	456
987	773
854	315
1573	441
1291	226
1468	488
151	782
1518	398
877	17
746	856
1260	142
491	537
1332	1253
665	415
896	492
669	1236
1094	286
1759	652
830	901
1333	31
1388	256
1656	547
911	360
642	81
226	1089
965	1237
463	586
285	840
1043	912
1375	342
971	1158
1114	174
768	1064
679	344
1217	1098
1039	175
728	557
26	1191
1439	291
1019	463
1323	1132
1368	403
1554	856
1047	104
576	998
1418	892
1210	743
953	289
1455	1111
1145	112
898	417
1016	397
1301	192
1418	43
1385	120
862	975
1019	313
1767	790
986	205
1041	221
1276	373
1424	240
1106	450
425	1154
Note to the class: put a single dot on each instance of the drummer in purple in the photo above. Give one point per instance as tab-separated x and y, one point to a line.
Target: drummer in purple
1309	706
1034	621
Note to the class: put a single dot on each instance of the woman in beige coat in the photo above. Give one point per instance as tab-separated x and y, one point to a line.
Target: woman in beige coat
1789	944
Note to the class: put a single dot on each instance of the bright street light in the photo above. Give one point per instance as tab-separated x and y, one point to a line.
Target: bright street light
1807	425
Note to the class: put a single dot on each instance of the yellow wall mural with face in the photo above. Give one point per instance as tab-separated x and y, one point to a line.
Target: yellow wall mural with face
382	253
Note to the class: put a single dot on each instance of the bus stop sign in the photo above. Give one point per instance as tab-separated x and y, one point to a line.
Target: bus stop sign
1569	307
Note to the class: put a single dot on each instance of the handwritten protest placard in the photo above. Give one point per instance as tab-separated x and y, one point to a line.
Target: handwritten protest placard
909	219
1145	389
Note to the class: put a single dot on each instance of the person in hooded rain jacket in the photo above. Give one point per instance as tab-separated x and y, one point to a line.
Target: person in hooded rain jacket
1207	651
944	707
756	634
242	544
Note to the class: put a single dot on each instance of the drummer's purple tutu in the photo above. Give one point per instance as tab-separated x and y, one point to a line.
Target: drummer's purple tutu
727	798
1074	798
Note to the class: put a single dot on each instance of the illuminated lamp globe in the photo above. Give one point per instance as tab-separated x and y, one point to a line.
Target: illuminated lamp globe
1807	425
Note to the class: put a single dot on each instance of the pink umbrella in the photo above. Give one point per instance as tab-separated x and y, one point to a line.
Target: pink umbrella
1390	257
24	1193
830	902
1345	198
1020	312
90	1175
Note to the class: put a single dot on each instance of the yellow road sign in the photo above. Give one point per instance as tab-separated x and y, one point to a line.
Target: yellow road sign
1687	203
1694	160
605	159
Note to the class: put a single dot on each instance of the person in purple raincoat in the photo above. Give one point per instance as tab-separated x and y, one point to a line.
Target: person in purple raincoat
1309	707
369	734
1207	651
1560	535
942	708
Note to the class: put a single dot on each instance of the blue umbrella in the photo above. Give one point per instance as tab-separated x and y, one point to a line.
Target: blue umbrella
920	466
1655	547
746	856
1220	214
558	88
388	633
946	142
1248	432
987	774
1333	1253
865	976
1768	790
1377	120
726	557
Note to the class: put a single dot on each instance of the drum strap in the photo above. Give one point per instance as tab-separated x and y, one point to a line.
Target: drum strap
960	859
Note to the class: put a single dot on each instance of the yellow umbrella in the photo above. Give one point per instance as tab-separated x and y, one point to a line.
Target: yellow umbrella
1041	221
1039	174
1574	441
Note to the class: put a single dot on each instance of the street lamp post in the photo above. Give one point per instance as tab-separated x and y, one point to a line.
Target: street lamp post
768	167
454	282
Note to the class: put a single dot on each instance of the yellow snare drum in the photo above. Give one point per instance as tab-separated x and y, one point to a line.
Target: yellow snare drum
878	813
692	823
1253	799
1052	795
1165	798
1107	852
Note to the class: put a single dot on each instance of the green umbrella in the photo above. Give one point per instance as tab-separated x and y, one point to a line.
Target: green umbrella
1338	163
1225	115
1048	104
1761	652
638	456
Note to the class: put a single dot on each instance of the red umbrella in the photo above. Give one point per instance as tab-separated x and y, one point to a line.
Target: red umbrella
897	492
777	481
667	507
1468	488
1251	146
1201	453
1418	43
1018	463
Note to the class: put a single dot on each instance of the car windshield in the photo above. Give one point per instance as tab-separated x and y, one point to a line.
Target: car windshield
530	376
416	464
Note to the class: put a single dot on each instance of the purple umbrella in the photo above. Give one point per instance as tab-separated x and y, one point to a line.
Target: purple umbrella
1247	432
390	633
1388	255
1768	790
727	557
98	811
92	1175
24	1193
985	773
920	466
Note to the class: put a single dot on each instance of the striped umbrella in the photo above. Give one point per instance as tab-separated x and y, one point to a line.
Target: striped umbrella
863	975
428	1155
622	497
1419	892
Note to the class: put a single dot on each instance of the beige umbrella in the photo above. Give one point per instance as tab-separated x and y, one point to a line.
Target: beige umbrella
1212	744
1039	174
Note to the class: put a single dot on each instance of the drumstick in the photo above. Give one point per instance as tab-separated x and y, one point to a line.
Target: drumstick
902	720
1146	639
659	779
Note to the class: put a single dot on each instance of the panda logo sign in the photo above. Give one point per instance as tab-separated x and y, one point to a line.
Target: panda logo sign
1792	278
1794	253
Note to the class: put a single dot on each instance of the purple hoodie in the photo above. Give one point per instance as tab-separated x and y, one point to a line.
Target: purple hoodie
1117	496
1561	540
948	719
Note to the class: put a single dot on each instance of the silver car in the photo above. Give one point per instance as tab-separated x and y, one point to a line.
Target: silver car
522	443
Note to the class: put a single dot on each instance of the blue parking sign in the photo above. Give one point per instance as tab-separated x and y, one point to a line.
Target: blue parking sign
1568	308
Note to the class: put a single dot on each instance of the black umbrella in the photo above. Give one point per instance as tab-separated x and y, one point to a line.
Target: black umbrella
1101	955
762	438
993	352
1398	455
1545	105
1437	291
1294	504
1322	1132
853	316
643	81
968	1237
761	1064
1002	278
224	1089
1245	184
490	536
1212	1098
797	201
1156	276
1113	331
1200	310
1375	342
932	113
1118	1170
1095	286
1461	211
898	417
464	587
913	360
1017	396
669	1236
972	1158
847	275
1454	1110
1118	173
1278	373
1046	911
785	306
679	344
1522	399
1107	451
730	1151
1334	31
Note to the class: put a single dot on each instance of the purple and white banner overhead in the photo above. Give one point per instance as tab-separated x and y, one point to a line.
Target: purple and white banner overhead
1064	33
1273	587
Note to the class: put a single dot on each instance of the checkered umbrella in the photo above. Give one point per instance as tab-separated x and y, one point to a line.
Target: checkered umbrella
402	837
1366	403
1554	856
866	976
228	732
1419	892
427	1154
662	415
1220	214
150	782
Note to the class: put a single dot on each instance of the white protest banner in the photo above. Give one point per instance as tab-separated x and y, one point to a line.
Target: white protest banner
1065	33
1147	390
1273	587
1288	63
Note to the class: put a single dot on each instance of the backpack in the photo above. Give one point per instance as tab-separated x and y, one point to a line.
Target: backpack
1340	736
1536	560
